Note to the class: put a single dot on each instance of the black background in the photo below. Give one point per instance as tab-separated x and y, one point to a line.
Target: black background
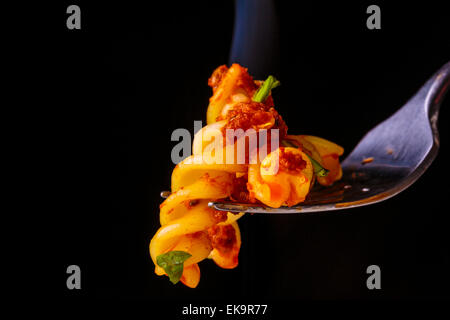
117	89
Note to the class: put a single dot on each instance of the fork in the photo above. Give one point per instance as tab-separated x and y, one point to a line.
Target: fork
400	149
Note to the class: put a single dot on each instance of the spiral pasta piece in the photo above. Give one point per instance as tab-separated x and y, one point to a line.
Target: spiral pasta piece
186	218
234	168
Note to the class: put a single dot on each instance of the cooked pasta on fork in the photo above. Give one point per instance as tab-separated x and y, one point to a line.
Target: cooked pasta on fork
243	154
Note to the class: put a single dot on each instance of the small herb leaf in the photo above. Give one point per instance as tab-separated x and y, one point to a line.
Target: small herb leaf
264	90
172	263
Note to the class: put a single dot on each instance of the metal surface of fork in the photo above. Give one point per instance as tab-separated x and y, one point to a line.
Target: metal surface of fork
403	147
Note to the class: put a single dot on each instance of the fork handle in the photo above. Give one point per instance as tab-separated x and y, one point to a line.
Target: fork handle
434	91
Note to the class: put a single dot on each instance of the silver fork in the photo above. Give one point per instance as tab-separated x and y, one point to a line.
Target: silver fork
402	147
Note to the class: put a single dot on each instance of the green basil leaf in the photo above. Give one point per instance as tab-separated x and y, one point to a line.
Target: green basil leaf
318	169
172	263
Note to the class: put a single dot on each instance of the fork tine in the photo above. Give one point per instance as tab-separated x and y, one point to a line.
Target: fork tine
165	194
249	208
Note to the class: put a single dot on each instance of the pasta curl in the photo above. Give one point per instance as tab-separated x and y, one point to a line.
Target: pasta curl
187	221
246	165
